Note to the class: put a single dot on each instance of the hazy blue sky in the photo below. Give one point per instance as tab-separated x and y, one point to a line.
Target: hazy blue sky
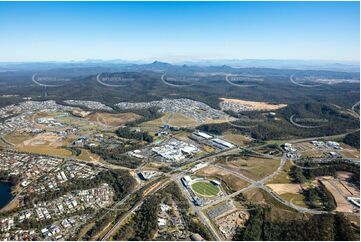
179	30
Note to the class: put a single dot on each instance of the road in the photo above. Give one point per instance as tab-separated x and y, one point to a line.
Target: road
130	212
174	177
197	210
261	184
354	106
200	211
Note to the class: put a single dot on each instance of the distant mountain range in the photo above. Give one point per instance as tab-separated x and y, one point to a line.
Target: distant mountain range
347	66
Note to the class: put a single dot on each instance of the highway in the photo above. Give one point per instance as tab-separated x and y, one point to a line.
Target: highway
200	211
261	184
130	212
197	210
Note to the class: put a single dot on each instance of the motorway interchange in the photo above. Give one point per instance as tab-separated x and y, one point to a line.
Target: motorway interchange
200	211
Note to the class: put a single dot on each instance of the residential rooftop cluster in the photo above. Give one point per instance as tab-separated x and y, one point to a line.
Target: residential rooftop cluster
27	166
16	114
236	107
89	104
198	111
60	214
69	172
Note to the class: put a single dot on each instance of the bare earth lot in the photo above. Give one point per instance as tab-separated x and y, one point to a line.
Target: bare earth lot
285	188
251	105
113	120
338	191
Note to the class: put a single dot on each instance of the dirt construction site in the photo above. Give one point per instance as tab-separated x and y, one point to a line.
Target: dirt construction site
340	190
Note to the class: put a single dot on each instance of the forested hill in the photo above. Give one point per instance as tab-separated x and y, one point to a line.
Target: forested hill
206	84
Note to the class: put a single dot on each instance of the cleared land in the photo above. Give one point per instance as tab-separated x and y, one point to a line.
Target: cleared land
45	143
295	198
237	139
175	119
88	156
154	166
47	138
290	192
349	152
80	113
252	167
285	188
205	188
339	190
113	120
45	151
278	211
283	176
251	105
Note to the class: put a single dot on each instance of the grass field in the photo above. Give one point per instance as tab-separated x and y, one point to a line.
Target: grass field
230	182
88	156
295	198
175	119
44	150
237	139
262	197
283	176
206	189
253	167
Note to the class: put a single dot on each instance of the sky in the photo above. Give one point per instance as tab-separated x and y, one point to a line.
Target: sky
176	31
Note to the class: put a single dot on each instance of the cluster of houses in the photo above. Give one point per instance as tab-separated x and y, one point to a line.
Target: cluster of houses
67	172
58	213
27	166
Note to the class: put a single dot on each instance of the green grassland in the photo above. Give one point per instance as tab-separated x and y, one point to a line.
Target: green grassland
205	189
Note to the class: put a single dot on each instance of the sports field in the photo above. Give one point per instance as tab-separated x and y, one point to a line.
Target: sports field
206	189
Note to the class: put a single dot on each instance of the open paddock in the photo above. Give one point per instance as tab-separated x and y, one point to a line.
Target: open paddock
283	177
252	167
237	139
